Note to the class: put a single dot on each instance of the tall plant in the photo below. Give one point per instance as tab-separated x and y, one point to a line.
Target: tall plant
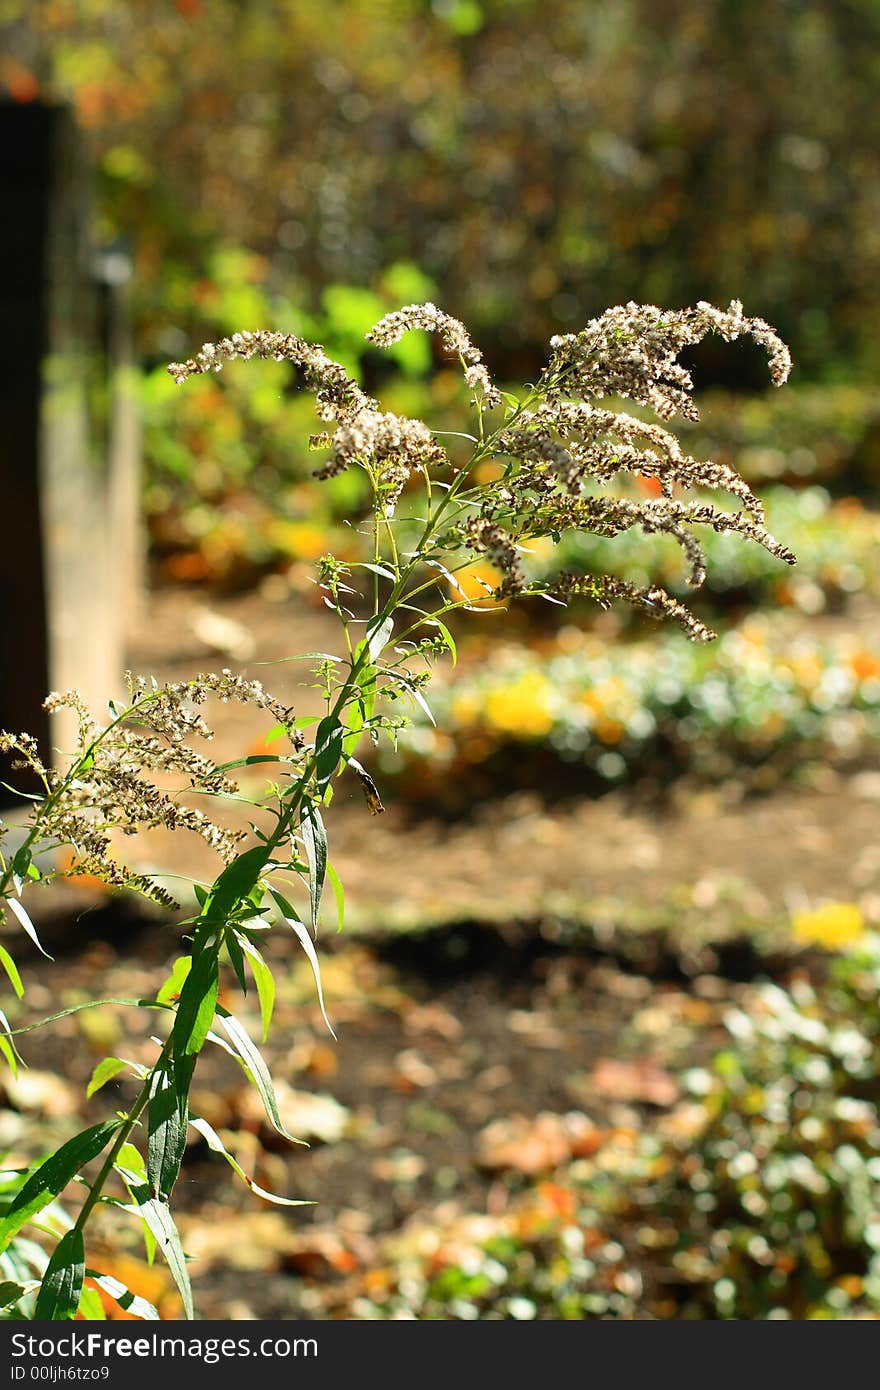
538	463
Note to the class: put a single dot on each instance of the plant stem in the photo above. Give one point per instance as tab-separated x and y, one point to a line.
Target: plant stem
139	1106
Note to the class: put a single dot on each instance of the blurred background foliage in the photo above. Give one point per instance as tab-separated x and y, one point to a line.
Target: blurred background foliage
307	165
526	163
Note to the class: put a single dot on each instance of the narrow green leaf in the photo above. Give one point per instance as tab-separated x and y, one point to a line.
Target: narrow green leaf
378	635
315	840
198	1002
167	1118
107	1069
305	941
28	925
77	1008
236	882
446	635
215	1143
128	1301
328	749
237	959
161	1223
263	979
131	1166
175	982
413	690
382	570
53	1175
90	1308
354	724
21	863
12	971
255	1068
11	1292
250	761
338	893
62	1284
7	1046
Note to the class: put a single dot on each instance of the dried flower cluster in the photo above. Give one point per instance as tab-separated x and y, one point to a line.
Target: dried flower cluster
392	445
337	395
632	351
562	450
453	335
557	446
106	791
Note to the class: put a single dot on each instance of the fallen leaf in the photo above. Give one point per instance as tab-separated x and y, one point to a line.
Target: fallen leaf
642	1081
532	1144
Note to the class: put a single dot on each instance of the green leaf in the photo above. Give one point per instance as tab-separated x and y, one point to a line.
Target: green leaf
237	960
263	979
446	635
128	1301
21	863
382	570
198	1002
11	1292
257	1071
12	971
315	839
7	1046
158	1218
167	1118
28	925
62	1284
328	749
107	1069
305	941
53	1175
250	760
235	883
175	982
379	632
338	893
91	1309
215	1143
413	690
131	1167
77	1008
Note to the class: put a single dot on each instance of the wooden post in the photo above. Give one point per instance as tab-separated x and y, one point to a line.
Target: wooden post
68	439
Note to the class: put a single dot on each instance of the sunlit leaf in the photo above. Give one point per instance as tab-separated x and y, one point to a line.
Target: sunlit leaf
12	971
257	1071
338	893
53	1175
328	749
17	909
167	1117
305	941
128	1301
216	1144
158	1218
198	1001
263	979
315	840
107	1069
62	1284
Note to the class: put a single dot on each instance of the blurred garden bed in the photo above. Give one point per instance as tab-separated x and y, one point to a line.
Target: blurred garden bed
767	700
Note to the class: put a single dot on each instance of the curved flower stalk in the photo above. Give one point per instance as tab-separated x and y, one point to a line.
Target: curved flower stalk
554	454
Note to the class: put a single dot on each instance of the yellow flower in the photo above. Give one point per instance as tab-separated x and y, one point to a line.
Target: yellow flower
522	708
834	926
